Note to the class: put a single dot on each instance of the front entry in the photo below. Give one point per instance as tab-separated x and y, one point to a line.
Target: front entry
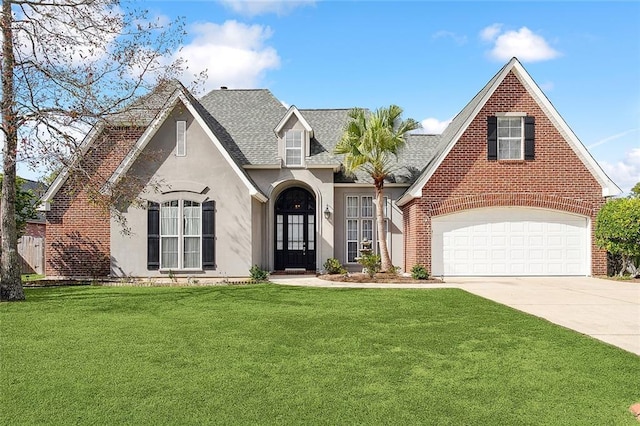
295	236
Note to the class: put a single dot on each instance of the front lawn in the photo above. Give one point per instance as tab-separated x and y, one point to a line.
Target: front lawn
265	354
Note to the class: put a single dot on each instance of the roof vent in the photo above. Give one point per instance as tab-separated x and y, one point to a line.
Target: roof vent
223	87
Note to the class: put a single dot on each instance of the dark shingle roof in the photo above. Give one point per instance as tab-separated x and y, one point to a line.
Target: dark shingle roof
327	125
144	109
244	121
417	152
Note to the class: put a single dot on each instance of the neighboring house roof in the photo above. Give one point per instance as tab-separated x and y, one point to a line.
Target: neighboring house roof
37	189
459	125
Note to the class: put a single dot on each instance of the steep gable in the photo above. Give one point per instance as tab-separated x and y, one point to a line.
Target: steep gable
521	81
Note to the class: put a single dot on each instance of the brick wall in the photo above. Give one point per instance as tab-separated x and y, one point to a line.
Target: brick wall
556	179
78	225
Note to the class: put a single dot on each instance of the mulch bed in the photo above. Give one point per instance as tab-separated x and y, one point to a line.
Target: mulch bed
379	278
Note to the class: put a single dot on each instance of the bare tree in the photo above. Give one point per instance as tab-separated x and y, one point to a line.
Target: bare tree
69	66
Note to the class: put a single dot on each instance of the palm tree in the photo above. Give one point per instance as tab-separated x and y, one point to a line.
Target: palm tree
368	142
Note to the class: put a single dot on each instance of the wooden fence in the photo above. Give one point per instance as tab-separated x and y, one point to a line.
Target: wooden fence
31	251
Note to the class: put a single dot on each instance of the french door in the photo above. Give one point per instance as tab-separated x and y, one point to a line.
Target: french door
295	230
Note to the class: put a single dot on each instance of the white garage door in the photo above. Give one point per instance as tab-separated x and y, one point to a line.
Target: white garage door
510	241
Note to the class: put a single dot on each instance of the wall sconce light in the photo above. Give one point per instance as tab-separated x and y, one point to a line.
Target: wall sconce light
327	212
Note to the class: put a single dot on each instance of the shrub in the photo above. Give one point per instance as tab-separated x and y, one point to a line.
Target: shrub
394	270
419	272
258	274
371	264
333	266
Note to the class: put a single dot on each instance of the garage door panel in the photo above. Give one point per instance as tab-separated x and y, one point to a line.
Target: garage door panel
510	241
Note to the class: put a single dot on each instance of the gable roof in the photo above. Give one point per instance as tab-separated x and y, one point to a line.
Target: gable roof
459	125
244	120
291	112
164	99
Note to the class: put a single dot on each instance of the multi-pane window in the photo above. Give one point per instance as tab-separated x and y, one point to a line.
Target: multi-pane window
180	235
352	228
510	138
360	223
366	218
293	147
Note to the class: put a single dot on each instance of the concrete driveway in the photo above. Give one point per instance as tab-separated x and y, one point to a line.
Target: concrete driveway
606	310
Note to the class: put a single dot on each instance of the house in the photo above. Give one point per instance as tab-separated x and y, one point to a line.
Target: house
236	179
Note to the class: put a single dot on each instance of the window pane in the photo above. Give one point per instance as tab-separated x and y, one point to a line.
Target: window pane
312	232
352	251
367	206
352	230
169	256
294	156
367	229
293	139
191	214
510	138
279	232
352	206
192	252
169	218
295	229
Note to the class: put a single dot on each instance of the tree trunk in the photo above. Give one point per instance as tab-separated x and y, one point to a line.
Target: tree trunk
10	281
385	260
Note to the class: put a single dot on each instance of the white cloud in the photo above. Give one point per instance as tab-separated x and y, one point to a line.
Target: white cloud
524	44
489	33
234	54
260	7
433	126
625	173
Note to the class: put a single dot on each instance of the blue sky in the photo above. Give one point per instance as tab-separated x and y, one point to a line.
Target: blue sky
430	58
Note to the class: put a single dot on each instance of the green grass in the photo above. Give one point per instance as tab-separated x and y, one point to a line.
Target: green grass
265	354
31	277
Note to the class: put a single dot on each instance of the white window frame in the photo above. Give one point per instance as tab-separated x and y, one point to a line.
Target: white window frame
181	138
290	136
352	224
507	122
360	213
181	237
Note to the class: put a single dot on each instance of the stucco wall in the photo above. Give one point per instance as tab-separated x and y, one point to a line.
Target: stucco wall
320	183
395	237
202	175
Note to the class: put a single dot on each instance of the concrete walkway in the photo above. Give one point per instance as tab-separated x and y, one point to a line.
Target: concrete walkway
606	310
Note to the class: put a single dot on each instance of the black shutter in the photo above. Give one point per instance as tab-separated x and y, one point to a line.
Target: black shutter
209	235
529	136
492	138
153	236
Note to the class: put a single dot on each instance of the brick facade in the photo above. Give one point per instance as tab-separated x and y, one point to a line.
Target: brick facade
78	225
556	179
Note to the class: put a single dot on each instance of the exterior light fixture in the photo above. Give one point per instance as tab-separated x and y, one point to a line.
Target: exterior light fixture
327	212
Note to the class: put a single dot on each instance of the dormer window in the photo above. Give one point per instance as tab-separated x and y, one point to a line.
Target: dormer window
294	139
293	147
